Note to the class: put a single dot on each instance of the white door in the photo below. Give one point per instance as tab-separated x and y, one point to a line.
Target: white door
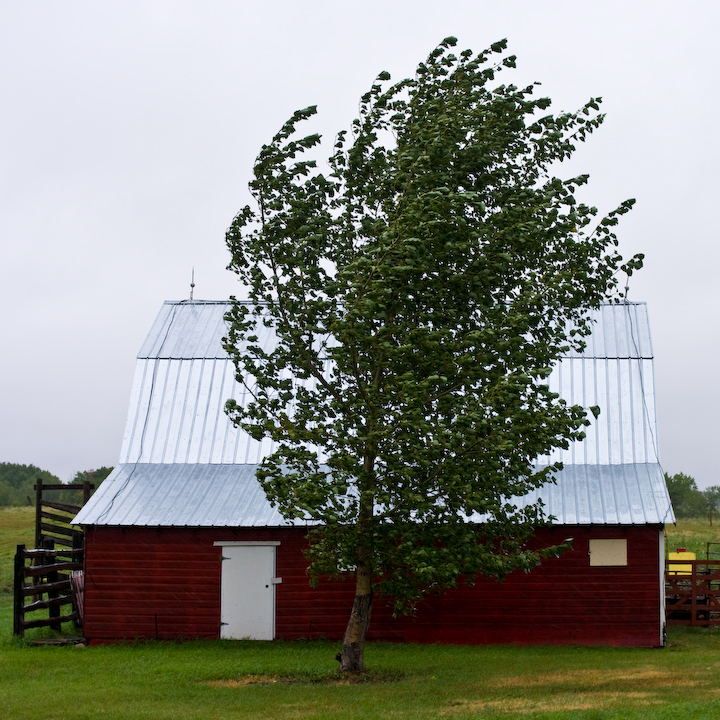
247	594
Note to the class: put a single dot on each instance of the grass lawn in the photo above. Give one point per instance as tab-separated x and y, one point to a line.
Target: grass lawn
228	679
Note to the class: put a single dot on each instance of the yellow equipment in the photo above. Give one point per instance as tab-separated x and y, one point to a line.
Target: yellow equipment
677	569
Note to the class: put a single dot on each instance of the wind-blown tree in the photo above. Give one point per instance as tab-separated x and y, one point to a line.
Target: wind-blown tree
420	292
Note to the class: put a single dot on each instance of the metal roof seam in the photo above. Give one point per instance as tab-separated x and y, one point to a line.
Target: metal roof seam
173	315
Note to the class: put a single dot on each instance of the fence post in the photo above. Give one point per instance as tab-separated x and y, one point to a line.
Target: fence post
52	577
38	512
19	595
78	540
87	491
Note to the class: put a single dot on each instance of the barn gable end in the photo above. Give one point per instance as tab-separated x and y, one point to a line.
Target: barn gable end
186	484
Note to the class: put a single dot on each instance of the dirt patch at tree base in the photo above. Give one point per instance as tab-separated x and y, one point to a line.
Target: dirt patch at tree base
352	678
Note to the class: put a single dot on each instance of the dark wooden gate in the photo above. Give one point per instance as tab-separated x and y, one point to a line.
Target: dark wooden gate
692	592
49	577
43	577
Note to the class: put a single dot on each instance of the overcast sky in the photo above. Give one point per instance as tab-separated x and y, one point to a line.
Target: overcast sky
128	132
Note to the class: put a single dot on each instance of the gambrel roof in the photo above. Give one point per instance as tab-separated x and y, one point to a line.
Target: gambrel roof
183	463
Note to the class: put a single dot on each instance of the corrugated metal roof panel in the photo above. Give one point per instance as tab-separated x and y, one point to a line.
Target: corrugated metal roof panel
626	494
619	330
181	439
193	495
193	329
177	404
177	414
181	495
624	390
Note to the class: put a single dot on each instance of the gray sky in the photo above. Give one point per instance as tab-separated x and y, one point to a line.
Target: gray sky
128	132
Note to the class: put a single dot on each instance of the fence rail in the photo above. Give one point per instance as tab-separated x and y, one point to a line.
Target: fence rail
47	582
692	592
57	526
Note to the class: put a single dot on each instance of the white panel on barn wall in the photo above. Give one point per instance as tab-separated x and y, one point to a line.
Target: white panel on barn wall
608	552
182	378
247	595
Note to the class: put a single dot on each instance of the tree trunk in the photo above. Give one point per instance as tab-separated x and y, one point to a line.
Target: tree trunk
352	657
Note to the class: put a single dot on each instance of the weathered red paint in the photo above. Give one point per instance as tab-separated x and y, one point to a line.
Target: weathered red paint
165	583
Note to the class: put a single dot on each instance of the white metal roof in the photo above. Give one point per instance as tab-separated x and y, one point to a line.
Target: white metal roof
181	494
183	378
208	495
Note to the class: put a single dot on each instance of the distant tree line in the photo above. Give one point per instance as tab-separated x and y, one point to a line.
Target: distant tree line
17	484
688	501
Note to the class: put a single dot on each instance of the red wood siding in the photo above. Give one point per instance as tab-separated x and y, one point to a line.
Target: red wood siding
165	583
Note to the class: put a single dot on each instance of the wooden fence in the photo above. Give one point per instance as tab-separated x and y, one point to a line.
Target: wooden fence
43	577
52	518
692	592
50	575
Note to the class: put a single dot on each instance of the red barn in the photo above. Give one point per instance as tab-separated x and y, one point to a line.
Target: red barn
181	540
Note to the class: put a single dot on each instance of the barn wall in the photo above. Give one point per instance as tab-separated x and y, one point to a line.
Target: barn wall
165	582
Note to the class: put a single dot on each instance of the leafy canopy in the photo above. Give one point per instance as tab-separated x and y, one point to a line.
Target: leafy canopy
17	484
420	291
688	501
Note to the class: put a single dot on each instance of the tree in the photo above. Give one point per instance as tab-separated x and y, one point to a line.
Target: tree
420	293
712	501
687	500
17	483
94	477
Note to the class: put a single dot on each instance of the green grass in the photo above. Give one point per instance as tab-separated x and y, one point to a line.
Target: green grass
17	526
227	680
217	680
693	535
